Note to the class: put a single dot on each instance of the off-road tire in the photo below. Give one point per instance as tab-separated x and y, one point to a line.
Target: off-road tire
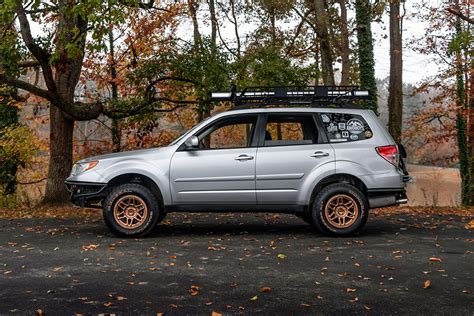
331	193
141	194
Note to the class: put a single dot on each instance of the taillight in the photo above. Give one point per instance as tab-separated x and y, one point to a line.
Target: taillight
389	153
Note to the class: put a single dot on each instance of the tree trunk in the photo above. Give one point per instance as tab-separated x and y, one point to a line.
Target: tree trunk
346	63
321	23
461	123
115	128
60	157
193	6
366	52
470	197
212	11
395	97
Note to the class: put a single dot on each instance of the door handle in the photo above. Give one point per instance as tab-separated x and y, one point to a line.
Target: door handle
319	154
243	157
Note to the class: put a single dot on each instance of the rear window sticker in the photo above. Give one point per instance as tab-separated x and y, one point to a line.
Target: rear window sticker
332	127
342	126
368	134
355	126
325	118
345	134
354	137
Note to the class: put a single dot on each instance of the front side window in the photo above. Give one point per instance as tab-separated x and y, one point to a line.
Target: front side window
344	127
228	133
284	130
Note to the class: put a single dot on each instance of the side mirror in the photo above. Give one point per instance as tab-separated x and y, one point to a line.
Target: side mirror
192	142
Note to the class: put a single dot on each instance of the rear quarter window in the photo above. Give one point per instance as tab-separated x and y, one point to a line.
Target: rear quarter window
344	127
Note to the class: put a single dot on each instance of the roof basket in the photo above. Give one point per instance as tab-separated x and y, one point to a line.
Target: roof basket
315	96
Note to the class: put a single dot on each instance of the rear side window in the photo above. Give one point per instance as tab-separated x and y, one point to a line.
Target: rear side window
284	130
343	127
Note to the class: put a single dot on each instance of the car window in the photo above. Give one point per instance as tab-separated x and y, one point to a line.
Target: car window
228	133
344	127
283	130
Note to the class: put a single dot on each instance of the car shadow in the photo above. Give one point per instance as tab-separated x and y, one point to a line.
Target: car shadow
246	224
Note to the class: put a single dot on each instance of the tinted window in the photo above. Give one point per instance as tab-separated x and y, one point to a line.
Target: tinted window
228	133
290	130
343	127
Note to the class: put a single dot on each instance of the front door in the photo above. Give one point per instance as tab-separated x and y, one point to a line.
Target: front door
222	169
293	154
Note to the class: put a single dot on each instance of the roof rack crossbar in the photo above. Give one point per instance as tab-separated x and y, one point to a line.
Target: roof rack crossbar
312	95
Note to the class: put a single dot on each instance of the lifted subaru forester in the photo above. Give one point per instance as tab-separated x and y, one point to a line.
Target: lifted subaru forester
326	164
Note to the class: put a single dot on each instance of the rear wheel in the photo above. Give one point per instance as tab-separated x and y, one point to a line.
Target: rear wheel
131	210
340	209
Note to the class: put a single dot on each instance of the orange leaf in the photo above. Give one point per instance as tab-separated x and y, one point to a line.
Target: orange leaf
426	284
435	259
265	289
216	314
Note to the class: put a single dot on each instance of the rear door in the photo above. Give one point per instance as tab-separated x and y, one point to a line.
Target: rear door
293	152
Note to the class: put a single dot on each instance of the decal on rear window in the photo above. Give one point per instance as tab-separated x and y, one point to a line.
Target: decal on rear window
343	127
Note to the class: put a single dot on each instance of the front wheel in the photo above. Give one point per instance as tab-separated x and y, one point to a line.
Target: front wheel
340	209
131	210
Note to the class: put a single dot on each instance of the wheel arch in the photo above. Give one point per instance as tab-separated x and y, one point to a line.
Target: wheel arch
139	179
338	178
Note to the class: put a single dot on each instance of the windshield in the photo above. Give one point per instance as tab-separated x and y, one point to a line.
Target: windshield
189	131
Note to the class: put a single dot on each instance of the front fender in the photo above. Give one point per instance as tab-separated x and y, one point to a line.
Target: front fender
157	174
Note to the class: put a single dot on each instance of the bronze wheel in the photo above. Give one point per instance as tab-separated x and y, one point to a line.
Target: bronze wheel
130	211
341	211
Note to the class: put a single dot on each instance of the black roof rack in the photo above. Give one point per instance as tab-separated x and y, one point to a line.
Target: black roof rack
314	96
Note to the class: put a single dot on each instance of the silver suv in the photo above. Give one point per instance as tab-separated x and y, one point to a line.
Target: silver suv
328	166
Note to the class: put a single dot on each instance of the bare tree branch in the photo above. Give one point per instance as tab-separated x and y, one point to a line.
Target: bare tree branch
461	15
45	94
40	54
28	63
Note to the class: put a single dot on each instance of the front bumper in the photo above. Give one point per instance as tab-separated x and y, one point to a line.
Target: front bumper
86	194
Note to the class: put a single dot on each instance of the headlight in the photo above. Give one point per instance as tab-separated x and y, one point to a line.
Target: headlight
79	168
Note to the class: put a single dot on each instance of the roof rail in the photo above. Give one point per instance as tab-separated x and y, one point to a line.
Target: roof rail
314	96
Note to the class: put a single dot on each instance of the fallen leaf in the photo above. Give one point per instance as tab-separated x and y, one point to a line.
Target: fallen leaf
108	304
216	313
90	247
57	269
435	259
367	307
120	298
265	289
318	296
426	284
39	312
349	290
281	256
304	305
194	290
254	298
470	225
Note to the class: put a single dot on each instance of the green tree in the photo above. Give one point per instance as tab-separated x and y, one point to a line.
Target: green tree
60	53
8	118
363	10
